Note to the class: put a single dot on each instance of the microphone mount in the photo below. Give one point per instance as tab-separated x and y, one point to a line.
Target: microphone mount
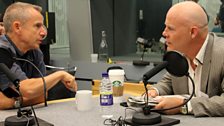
146	44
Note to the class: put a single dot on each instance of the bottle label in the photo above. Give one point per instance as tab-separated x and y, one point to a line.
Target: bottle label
106	99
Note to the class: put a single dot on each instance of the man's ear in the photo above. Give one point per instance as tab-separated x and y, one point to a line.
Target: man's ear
16	26
194	31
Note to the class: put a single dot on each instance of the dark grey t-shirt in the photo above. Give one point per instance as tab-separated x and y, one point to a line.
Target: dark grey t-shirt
22	69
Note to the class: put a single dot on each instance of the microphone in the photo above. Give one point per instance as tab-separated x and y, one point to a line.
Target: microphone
9	90
177	63
146	43
6	58
174	62
11	76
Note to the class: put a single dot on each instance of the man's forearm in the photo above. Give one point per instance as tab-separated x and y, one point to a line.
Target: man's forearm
8	103
32	88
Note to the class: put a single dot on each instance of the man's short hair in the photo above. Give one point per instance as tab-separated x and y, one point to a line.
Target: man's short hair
18	11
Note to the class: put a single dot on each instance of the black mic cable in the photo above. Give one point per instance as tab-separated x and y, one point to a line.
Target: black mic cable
37	122
45	88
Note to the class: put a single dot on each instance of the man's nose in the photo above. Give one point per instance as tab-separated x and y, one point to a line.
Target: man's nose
43	32
164	33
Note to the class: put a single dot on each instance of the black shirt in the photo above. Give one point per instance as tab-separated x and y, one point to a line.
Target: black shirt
22	69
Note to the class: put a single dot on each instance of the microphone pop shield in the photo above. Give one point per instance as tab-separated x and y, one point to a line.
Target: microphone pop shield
177	63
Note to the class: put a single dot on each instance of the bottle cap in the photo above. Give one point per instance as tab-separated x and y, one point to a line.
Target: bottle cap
103	33
104	74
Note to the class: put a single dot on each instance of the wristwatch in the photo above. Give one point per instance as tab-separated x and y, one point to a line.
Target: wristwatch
16	103
184	109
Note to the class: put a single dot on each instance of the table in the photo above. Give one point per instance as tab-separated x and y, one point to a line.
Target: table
64	113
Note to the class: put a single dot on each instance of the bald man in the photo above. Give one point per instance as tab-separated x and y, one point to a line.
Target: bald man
186	31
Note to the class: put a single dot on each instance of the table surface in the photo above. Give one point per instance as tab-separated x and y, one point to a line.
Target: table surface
64	113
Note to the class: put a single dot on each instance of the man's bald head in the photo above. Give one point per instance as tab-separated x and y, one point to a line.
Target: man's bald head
189	13
186	28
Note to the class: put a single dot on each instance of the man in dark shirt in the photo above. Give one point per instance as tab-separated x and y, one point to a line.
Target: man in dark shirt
24	32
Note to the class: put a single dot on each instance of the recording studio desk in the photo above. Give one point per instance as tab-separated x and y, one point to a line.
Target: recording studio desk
64	113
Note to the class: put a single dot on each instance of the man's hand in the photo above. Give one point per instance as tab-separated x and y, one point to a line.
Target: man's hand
69	82
168	102
152	92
